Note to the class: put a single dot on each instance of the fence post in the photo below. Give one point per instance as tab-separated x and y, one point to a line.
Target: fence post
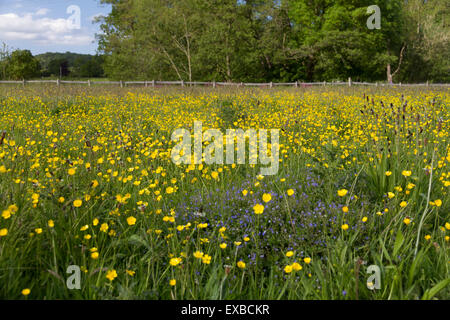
146	84
57	82
296	84
23	83
182	83
121	84
427	83
271	84
89	83
214	83
153	83
349	81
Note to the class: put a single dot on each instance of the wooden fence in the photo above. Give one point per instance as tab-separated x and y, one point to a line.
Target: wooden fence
214	84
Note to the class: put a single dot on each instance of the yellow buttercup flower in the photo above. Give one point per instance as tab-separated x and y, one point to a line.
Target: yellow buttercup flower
26	292
206	259
296	266
6	214
131	221
266	197
111	275
406	173
77	203
175	261
258	208
342	192
170	190
198	254
104	227
288	269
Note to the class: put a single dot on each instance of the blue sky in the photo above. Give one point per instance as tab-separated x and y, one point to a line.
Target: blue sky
47	26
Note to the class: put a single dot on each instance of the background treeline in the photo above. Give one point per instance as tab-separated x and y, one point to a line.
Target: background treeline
71	64
256	41
21	64
282	40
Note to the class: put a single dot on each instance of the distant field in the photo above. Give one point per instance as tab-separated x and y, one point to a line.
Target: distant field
87	179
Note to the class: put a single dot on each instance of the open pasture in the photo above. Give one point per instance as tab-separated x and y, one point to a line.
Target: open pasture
87	180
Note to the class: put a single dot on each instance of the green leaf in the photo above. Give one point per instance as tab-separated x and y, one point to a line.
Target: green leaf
383	248
138	241
398	242
412	269
430	293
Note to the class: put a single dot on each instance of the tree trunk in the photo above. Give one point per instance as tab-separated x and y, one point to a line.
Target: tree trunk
188	48
389	75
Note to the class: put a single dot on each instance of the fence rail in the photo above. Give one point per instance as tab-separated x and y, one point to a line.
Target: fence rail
154	83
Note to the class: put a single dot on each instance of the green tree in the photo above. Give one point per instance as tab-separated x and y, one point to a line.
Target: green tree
427	40
22	65
59	67
228	48
333	41
150	38
4	57
275	40
91	68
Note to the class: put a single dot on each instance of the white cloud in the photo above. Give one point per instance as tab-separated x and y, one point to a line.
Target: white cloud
41	30
42	12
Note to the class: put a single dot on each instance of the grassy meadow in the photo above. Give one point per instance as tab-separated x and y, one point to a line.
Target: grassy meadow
86	179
